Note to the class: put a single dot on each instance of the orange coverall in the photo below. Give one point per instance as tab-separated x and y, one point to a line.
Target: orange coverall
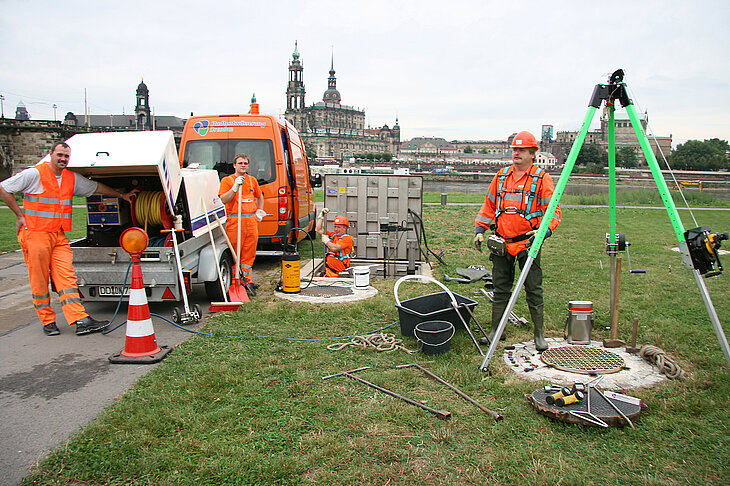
250	191
46	249
339	261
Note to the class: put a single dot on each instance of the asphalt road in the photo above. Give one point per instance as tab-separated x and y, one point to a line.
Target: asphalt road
50	387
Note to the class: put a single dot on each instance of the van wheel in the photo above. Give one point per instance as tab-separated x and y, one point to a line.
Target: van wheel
213	289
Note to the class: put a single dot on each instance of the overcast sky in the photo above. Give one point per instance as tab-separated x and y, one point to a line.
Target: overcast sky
453	69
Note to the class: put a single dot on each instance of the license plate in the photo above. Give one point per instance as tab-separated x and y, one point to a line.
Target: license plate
112	290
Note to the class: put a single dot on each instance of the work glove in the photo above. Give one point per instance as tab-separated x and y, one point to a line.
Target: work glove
532	234
260	213
478	240
325	239
323	213
238	183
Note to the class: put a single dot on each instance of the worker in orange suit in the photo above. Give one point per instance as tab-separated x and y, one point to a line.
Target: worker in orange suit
48	190
518	197
252	212
338	243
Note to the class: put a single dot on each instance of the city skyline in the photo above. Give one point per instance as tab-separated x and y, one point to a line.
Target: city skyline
481	70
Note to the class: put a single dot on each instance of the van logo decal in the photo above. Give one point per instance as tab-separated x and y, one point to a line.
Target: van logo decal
201	127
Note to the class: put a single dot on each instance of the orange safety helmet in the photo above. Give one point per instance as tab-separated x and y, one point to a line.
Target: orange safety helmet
342	220
524	139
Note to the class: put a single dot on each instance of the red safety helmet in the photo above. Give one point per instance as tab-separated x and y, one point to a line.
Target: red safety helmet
342	220
525	139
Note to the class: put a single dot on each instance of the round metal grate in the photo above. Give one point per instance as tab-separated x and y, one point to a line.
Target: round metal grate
326	291
583	359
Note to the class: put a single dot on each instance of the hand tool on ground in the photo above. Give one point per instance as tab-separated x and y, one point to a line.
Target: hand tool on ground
237	291
513	318
226	305
463	395
188	315
587	415
614	342
613	405
476	321
633	349
442	414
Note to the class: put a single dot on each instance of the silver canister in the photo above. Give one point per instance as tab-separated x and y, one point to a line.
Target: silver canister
579	322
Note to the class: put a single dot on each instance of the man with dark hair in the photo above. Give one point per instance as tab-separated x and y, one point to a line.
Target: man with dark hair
48	189
517	199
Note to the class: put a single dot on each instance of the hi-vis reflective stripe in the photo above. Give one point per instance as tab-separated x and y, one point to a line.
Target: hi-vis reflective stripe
42	306
70	300
244	215
73	290
139	322
40	296
46	200
47	214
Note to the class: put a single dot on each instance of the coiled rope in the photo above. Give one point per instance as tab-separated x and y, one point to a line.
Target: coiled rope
381	342
658	357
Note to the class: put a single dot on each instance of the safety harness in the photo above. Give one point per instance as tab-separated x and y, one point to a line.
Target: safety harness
536	174
338	255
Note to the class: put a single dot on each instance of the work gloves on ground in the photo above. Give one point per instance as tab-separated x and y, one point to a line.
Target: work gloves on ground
260	213
237	183
325	239
479	238
532	234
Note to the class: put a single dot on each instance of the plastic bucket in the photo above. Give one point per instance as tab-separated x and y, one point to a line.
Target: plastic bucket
434	336
361	277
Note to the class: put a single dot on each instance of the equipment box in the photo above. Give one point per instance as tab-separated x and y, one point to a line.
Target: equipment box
433	307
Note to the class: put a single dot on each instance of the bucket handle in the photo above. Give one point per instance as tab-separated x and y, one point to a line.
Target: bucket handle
428	279
453	331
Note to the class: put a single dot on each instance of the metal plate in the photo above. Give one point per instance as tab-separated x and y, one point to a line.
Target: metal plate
599	407
326	291
583	359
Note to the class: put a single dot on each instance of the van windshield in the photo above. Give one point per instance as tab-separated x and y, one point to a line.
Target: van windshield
218	155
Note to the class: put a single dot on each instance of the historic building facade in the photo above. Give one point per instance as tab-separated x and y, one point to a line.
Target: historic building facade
331	130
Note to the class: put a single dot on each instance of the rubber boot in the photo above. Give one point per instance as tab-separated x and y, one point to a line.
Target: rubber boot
497	311
536	313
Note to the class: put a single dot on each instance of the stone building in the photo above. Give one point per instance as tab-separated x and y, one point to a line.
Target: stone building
143	118
625	137
330	129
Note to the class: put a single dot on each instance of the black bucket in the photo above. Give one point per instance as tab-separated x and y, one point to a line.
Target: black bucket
433	307
434	336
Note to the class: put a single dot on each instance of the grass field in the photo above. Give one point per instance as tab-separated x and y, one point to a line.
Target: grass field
247	410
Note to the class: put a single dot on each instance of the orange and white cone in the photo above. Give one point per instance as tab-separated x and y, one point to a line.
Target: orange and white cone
141	344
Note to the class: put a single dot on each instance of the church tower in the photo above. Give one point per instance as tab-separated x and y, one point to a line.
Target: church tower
142	109
295	92
332	95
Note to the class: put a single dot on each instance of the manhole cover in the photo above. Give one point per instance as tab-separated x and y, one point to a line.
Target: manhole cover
583	359
326	291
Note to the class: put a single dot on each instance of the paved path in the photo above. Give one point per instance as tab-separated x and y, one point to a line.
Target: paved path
50	387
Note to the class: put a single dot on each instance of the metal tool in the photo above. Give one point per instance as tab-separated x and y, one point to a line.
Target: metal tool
463	395
227	305
442	414
613	405
188	315
587	415
513	318
628	256
614	341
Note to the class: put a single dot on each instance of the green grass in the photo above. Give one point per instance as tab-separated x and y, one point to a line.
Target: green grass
255	411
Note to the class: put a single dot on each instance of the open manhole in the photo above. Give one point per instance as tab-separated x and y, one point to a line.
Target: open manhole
583	359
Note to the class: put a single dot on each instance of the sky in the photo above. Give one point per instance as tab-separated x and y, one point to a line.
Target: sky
466	70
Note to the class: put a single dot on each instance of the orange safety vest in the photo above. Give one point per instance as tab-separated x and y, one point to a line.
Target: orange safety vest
52	209
344	255
250	191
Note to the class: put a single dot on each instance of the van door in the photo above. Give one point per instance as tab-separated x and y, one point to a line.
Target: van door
303	192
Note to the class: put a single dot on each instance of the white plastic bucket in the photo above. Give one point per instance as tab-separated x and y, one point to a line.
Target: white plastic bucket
361	277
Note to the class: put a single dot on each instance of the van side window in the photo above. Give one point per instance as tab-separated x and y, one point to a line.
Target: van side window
261	154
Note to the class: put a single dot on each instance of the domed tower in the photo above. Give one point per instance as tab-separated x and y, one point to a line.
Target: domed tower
21	113
295	88
142	109
332	95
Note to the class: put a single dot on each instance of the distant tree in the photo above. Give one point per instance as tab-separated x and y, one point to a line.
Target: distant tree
482	150
386	156
592	154
695	155
626	157
309	148
468	149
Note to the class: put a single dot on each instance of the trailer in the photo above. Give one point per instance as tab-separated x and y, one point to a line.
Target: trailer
171	200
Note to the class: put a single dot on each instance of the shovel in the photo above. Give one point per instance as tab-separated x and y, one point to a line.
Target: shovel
237	291
218	306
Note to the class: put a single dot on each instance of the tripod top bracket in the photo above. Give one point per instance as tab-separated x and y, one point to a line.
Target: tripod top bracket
615	89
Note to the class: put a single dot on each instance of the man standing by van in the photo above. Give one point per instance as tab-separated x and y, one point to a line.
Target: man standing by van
517	199
48	190
338	244
251	213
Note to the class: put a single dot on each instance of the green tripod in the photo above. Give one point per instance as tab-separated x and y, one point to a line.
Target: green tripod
697	246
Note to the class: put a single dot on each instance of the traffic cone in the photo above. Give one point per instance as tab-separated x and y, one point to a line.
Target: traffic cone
141	345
